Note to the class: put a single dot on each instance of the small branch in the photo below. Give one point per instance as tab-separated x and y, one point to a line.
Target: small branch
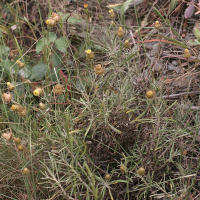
180	94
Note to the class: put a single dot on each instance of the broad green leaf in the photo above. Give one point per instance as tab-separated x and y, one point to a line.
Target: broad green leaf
9	66
51	36
61	44
195	42
56	60
197	33
25	72
172	5
73	20
81	85
39	71
64	16
81	51
40	45
4	50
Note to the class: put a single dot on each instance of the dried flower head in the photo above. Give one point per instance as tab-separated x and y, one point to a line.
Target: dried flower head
150	94
22	112
112	14
10	86
157	25
55	17
127	44
16	107
17	141
186	54
7	136
58	89
99	69
89	54
120	32
38	92
20	64
7	97
25	171
141	171
42	106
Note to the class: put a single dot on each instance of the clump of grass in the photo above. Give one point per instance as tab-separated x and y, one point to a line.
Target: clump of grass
96	126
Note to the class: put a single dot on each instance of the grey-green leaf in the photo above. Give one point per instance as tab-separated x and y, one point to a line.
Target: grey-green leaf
61	44
39	71
40	45
4	50
25	72
51	36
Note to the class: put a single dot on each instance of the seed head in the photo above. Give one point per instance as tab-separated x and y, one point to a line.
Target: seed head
22	112
17	141
120	32
58	89
141	171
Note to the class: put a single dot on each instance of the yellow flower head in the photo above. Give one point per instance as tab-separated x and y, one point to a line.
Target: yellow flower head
150	94
37	92
85	5
89	51
111	11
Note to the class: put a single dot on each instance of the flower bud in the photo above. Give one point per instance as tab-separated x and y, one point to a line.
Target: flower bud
42	106
123	168
38	92
120	32
157	25
186	54
112	14
150	94
16	107
89	54
127	44
107	177
25	171
10	86
20	64
50	22
20	147
141	171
